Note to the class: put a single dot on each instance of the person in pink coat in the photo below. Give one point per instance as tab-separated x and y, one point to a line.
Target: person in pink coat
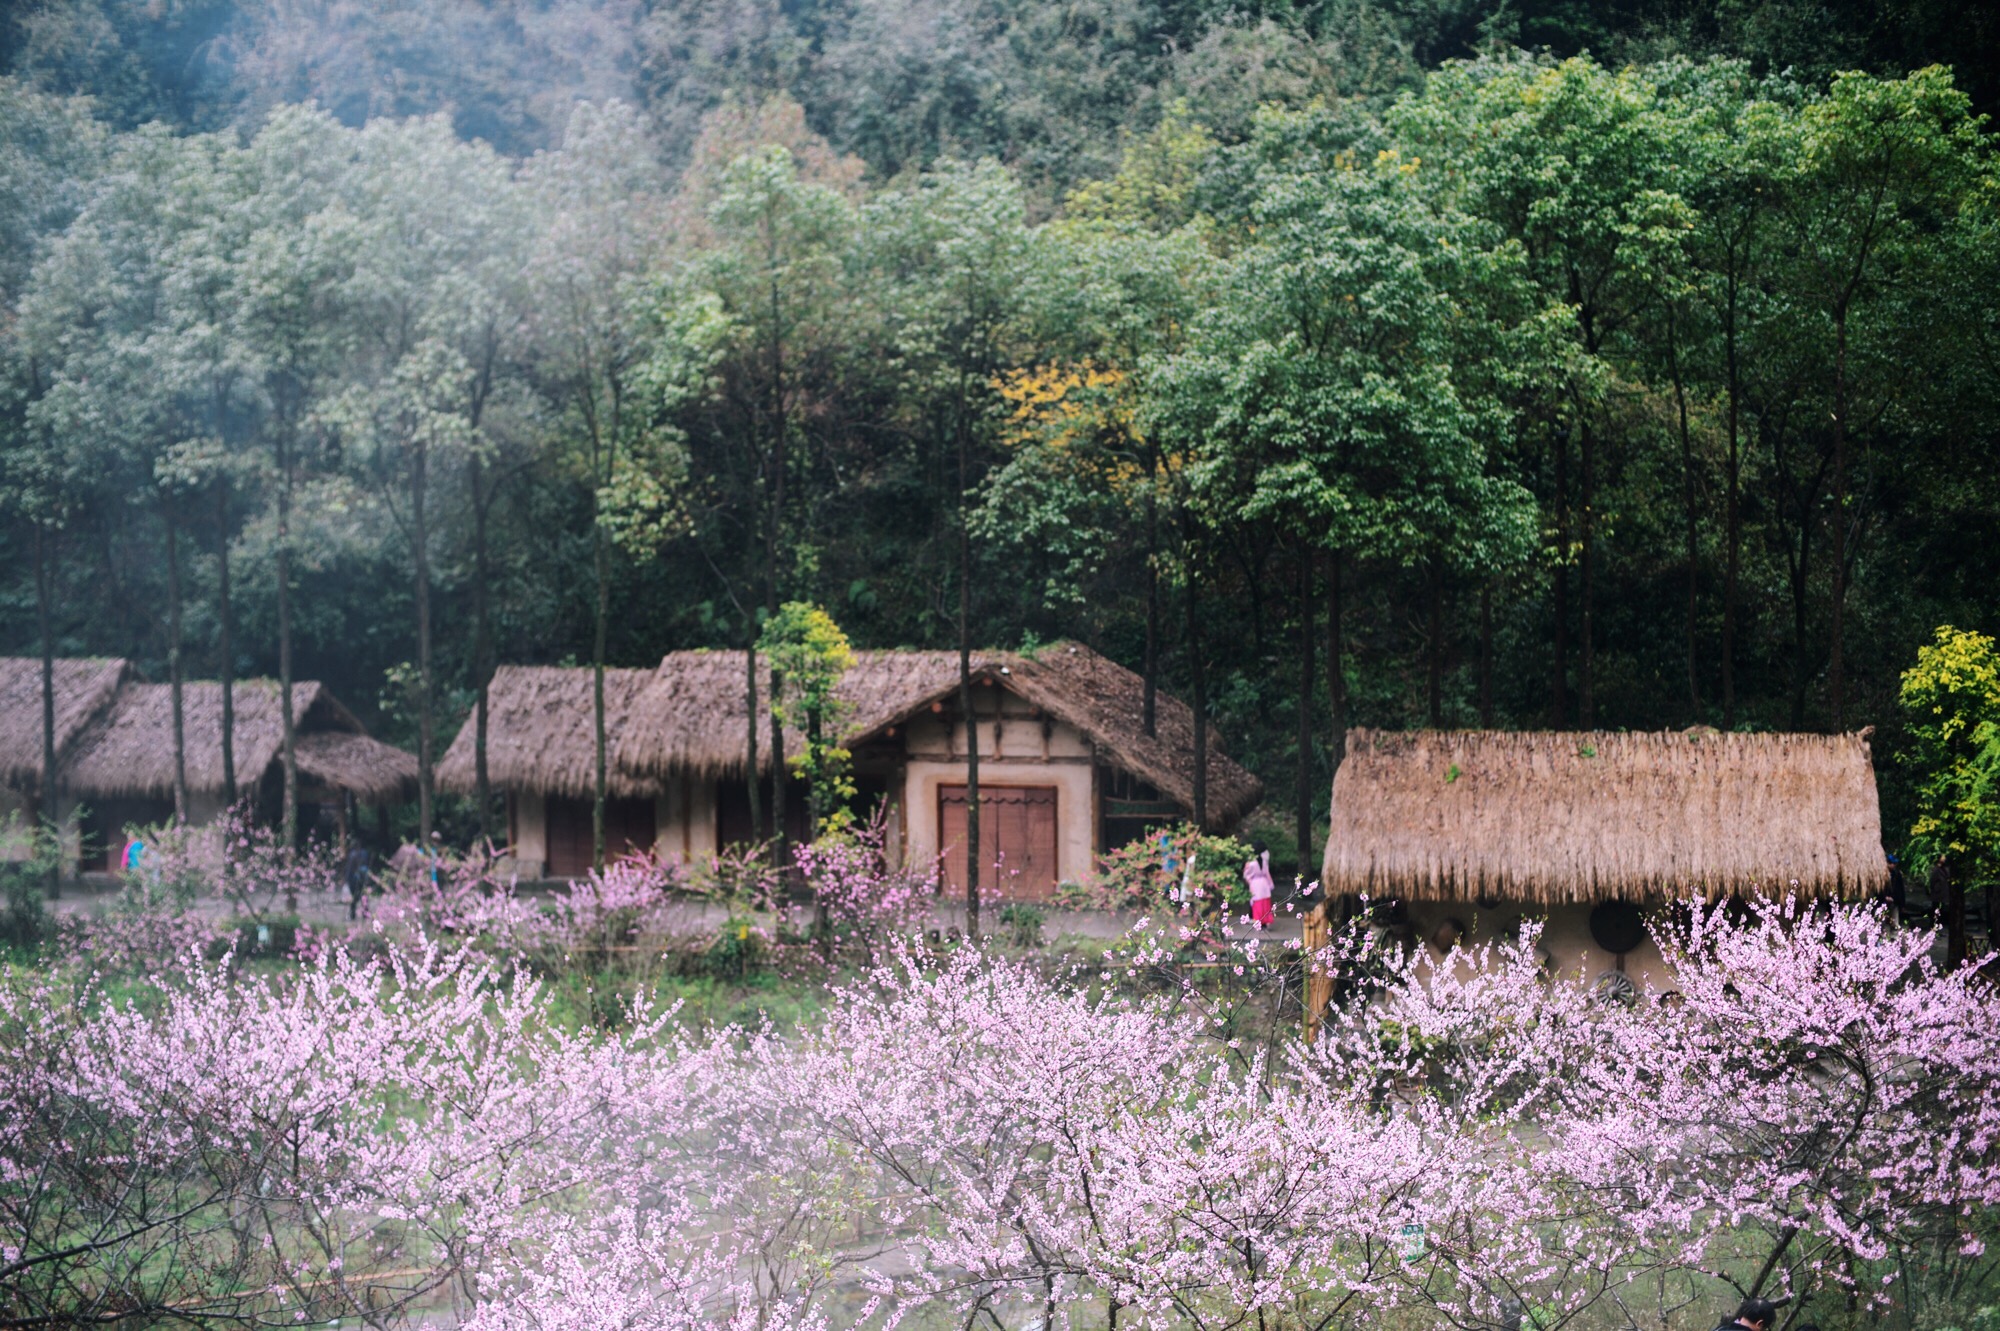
1257	873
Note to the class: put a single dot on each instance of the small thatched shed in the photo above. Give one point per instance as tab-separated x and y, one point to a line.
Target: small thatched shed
127	751
1460	833
84	686
1065	763
1555	817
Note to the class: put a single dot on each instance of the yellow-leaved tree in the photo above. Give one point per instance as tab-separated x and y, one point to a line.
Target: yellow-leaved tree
1952	696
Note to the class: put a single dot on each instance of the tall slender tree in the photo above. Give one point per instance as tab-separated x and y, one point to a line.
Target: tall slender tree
1880	164
1560	156
296	260
599	201
780	239
960	238
440	235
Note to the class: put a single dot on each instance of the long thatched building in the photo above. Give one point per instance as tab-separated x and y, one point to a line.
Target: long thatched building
1067	770
1472	830
115	750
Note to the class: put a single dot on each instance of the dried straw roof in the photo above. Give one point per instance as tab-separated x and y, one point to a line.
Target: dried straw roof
1552	817
540	734
690	717
84	686
376	773
127	751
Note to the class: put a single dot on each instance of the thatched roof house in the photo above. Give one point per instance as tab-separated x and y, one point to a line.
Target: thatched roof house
541	735
1063	747
127	751
689	718
1576	817
84	686
115	747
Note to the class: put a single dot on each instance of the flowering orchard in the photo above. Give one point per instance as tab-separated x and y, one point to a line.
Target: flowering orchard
965	1140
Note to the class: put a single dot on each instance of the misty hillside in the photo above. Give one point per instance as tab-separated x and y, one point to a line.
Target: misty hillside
1053	89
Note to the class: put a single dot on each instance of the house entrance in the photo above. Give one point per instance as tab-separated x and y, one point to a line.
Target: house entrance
1017	839
628	827
105	824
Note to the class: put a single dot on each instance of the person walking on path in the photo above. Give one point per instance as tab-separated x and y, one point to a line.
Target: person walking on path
1257	873
357	878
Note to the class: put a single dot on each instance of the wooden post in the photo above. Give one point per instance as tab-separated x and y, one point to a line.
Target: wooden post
1319	980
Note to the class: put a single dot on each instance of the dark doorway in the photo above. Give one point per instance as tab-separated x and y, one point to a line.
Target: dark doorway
628	827
732	813
104	824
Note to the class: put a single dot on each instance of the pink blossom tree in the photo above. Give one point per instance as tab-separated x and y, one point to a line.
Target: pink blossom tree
1472	1144
1817	1107
346	1144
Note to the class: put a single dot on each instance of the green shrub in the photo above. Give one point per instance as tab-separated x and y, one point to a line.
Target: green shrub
740	949
25	923
274	937
1023	924
1136	877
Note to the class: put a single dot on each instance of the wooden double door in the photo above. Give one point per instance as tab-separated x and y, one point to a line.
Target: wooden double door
572	837
1017	839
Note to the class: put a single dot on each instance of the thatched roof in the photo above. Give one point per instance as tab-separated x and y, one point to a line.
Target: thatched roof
376	773
540	734
83	688
690	717
1581	816
128	750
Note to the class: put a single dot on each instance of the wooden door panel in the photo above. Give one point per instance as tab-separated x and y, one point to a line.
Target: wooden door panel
628	827
1017	834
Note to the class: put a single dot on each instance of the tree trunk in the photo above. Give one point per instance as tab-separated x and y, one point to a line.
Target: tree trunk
225	663
779	795
1336	663
1251	560
1586	698
1200	679
755	782
1689	520
815	806
1800	577
599	641
1559	681
174	671
290	818
482	649
1486	656
1434	666
772	540
420	566
972	843
1305	796
47	802
1947	896
1149	709
483	664
1732	521
1835	683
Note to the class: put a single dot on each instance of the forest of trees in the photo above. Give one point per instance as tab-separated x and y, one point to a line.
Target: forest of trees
1353	363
